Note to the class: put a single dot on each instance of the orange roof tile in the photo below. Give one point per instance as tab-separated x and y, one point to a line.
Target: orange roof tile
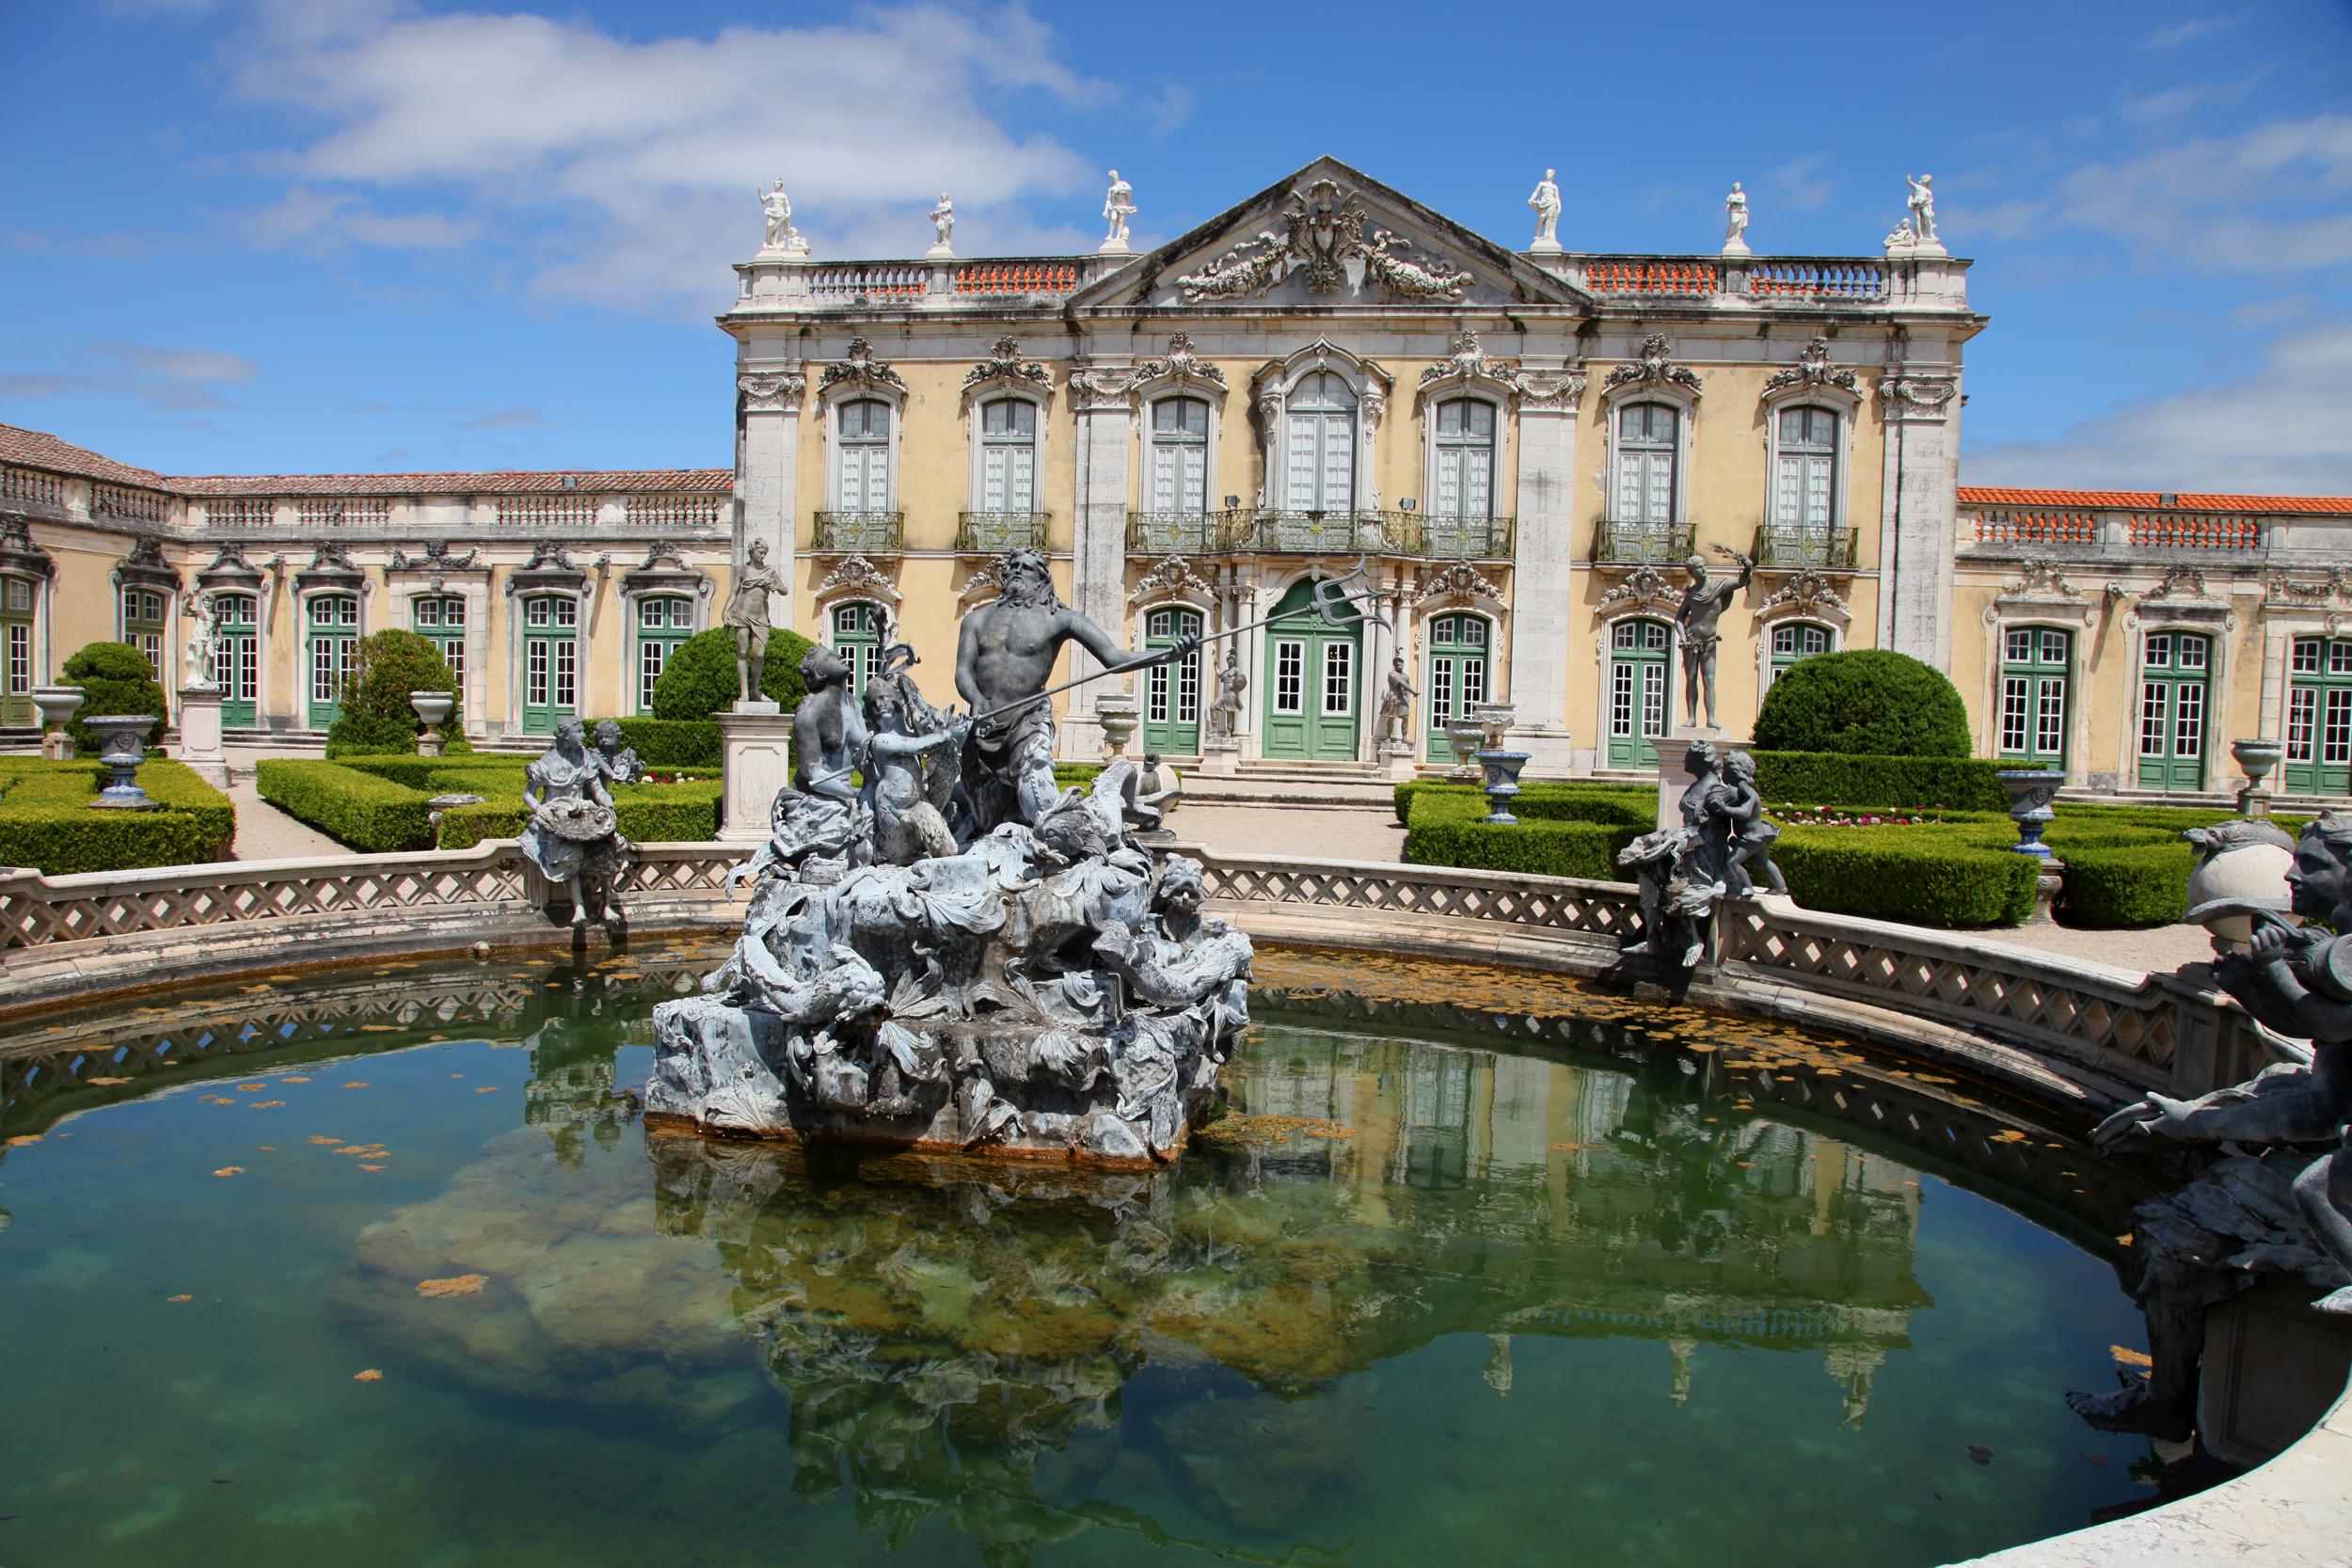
38	448
2184	501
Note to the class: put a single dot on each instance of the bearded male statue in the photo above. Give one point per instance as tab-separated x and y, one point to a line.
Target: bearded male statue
1004	659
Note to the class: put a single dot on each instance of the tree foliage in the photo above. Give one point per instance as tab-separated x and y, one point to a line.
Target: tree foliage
377	717
115	677
700	679
1866	702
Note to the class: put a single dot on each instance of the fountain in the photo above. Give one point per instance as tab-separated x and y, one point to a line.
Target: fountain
122	746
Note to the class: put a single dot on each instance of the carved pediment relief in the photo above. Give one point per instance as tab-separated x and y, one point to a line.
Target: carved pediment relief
1643	588
1332	246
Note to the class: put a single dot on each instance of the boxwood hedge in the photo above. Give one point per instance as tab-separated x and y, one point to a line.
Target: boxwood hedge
46	819
382	805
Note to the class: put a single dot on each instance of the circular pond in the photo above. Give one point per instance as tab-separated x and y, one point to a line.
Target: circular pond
392	1272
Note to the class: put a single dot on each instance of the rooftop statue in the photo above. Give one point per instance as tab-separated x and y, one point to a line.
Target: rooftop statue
2274	1193
1736	221
777	206
1545	200
1118	205
1922	205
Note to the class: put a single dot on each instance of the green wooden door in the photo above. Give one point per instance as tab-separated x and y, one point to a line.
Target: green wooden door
664	622
440	620
550	661
857	637
2037	665
1637	692
237	659
1455	680
2319	716
147	627
333	629
2172	689
1311	678
15	647
1172	692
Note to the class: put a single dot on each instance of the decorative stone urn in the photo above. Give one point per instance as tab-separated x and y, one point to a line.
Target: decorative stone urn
2030	792
57	706
1117	713
1496	719
433	708
1503	782
2256	758
122	746
1467	737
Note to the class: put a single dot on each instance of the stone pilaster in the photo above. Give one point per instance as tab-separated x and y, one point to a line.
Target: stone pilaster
1543	574
1918	529
767	471
1098	534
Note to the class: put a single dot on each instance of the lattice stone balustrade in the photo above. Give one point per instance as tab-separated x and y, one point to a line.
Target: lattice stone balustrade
1551	903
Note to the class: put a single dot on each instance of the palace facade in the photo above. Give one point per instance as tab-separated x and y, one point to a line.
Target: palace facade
1513	453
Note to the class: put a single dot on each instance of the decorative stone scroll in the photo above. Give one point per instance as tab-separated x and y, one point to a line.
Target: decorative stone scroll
1644	587
1324	242
1172	579
18	553
986	577
146	565
2184	580
1812	370
1004	364
1096	389
436	557
1653	366
1458	582
856	576
772	392
1807	593
1181	364
1917	397
860	371
1465	366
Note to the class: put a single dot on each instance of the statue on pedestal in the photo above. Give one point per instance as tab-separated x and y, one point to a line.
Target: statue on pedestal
203	644
1922	204
573	836
1396	703
1118	205
1701	609
943	225
2274	1196
778	206
1736	221
1224	712
1545	200
1681	870
747	614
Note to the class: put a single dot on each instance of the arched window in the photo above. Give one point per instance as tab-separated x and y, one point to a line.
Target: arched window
1804	487
18	596
1455	681
1180	457
1464	485
550	661
1793	641
1008	457
1648	450
863	483
2174	670
664	622
1637	692
1319	446
2037	663
857	635
334	636
146	613
1172	692
236	657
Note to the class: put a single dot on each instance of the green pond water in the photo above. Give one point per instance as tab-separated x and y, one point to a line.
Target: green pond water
1471	1305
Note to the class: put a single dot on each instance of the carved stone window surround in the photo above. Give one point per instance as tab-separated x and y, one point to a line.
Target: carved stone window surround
1272	388
855	577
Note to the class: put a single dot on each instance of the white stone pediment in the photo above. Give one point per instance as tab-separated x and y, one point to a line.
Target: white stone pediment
1327	236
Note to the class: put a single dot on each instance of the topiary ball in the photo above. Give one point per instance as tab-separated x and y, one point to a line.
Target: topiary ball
699	678
115	677
1864	703
377	717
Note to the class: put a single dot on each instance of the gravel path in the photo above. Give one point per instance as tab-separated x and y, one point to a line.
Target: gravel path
267	834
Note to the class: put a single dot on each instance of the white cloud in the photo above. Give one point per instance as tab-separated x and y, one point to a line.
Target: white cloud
2273	198
625	170
164	380
1799	185
2278	431
2178	33
518	416
2172	102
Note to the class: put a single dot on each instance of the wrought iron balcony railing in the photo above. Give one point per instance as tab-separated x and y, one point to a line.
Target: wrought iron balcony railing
1271	532
858	532
1823	548
998	532
1639	544
1462	538
1179	532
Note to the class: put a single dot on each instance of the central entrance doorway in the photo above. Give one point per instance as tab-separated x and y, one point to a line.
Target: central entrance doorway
1311	674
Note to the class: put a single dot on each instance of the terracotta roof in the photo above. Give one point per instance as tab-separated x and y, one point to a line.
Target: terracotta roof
2186	500
596	481
38	448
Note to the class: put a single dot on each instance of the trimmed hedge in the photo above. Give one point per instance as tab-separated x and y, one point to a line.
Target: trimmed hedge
1564	830
46	821
2124	885
115	677
370	812
700	677
668	742
1948	875
383	805
1829	779
1868	701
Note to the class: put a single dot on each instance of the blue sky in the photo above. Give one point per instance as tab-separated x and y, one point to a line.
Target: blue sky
296	235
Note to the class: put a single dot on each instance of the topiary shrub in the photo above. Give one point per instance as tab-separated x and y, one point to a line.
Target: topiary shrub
699	680
1828	779
1868	701
115	677
376	715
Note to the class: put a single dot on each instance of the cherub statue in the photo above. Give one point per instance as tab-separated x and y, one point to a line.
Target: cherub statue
618	763
1753	833
2285	1211
1681	870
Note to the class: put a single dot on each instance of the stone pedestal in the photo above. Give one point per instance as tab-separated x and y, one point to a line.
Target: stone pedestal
1397	757
755	761
1672	780
1220	757
199	735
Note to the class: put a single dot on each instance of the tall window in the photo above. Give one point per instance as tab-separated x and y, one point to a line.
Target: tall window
16	630
1319	461
1648	441
550	661
2319	716
1793	641
145	624
334	635
864	456
236	657
1008	455
857	634
1172	692
1637	692
2172	684
2036	668
664	622
1804	490
1180	457
1456	678
440	620
1464	485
